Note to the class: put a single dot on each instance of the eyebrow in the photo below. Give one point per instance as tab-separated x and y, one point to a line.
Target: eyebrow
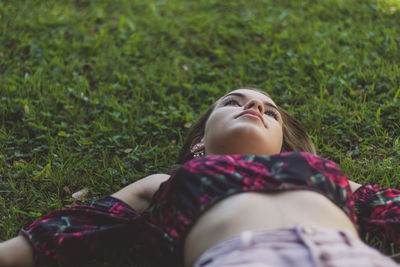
242	96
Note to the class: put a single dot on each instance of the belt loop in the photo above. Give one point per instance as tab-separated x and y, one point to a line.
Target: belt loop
307	234
305	230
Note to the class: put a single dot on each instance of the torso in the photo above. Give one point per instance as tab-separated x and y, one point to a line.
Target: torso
260	211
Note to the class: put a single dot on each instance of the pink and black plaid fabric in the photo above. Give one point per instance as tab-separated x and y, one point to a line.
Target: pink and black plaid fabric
81	232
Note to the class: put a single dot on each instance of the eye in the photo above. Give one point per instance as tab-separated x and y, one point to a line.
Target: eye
231	102
271	113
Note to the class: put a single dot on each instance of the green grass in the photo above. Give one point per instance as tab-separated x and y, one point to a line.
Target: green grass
102	92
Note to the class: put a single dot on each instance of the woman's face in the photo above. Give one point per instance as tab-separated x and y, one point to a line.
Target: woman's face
244	122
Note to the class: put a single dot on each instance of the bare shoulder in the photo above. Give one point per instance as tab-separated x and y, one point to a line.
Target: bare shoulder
139	194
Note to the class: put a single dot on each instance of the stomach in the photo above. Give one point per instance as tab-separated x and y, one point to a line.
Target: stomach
261	211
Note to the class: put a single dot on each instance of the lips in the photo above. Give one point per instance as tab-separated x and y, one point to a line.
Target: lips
253	113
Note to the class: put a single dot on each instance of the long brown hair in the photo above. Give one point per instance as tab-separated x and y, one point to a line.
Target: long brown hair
295	138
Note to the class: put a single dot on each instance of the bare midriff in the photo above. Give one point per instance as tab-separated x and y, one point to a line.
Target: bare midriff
261	211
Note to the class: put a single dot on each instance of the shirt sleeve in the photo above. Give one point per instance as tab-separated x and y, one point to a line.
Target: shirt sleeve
84	232
378	211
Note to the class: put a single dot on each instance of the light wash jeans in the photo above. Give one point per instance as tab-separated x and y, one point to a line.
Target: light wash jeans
302	246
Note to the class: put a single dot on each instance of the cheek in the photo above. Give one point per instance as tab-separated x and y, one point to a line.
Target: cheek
211	129
216	130
279	133
280	138
215	123
276	133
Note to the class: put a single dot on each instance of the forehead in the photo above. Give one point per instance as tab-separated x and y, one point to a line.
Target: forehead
249	94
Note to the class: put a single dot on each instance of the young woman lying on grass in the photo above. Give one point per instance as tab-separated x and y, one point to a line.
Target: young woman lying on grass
250	192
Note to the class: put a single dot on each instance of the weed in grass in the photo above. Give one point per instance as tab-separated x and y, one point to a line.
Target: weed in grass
103	90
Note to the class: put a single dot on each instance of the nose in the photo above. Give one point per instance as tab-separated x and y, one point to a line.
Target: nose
255	104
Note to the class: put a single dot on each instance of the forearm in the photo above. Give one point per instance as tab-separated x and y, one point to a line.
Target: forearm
19	252
72	236
16	252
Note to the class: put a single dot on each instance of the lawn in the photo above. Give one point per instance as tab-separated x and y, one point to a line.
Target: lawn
97	94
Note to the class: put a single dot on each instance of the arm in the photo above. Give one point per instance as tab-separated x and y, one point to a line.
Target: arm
16	252
139	194
80	232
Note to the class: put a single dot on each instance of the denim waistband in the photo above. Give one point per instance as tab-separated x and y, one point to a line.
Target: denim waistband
317	246
296	233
